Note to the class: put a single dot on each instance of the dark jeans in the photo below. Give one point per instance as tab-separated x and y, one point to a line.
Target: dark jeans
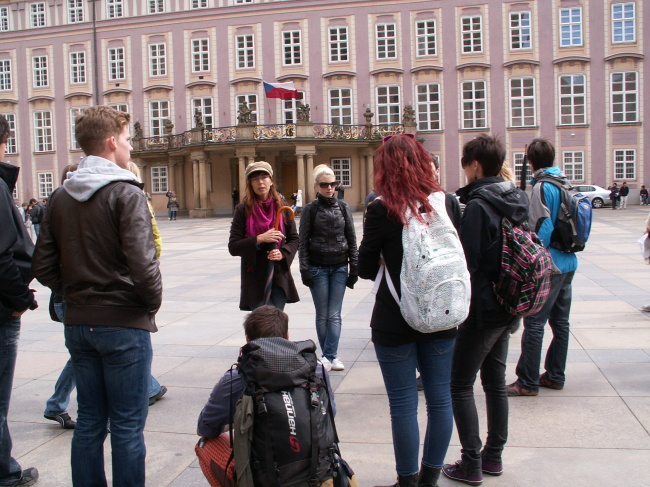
556	311
278	299
10	471
483	348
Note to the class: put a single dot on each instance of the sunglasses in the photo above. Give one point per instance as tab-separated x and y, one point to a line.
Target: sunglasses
388	137
333	184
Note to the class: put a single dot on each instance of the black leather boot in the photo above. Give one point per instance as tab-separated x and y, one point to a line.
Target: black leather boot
405	481
429	476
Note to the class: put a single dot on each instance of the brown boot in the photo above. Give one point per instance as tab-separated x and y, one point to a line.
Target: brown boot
429	476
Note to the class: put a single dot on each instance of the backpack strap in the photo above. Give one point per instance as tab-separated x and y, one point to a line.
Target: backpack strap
312	214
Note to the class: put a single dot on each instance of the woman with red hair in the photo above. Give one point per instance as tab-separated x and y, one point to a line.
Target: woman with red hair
404	180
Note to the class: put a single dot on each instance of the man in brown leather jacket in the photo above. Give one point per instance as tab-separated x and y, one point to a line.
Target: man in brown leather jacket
96	249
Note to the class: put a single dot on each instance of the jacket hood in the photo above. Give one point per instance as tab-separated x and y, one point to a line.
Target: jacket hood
504	196
553	172
9	174
328	201
93	174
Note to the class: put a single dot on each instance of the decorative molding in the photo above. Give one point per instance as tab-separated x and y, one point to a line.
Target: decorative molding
339	73
426	67
521	61
575	59
78	93
289	76
157	87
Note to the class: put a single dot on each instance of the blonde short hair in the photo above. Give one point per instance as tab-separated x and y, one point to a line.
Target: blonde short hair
133	167
322	169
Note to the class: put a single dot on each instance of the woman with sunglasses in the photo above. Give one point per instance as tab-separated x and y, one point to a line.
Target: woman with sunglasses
404	178
328	245
265	253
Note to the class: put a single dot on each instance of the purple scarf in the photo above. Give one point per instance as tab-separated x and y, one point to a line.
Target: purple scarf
262	218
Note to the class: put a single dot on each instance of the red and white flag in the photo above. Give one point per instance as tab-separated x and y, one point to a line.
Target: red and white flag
284	91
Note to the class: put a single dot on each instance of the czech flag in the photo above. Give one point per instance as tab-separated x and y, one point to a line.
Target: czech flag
284	91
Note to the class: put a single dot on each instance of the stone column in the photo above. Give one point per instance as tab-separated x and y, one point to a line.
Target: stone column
195	184
363	187
181	192
311	195
301	173
203	187
370	160
172	177
242	177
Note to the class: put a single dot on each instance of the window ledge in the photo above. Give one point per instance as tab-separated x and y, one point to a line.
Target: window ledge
575	125
526	127
481	129
44	152
624	124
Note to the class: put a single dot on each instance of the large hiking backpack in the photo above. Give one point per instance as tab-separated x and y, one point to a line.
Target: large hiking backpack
294	440
573	224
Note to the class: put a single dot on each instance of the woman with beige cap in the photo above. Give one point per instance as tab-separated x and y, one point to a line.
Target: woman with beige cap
254	239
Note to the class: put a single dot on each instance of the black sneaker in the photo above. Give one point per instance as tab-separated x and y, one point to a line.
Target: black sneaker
64	419
161	393
29	477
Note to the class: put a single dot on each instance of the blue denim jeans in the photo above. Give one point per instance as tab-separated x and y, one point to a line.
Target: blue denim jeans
556	311
10	470
398	367
327	292
112	366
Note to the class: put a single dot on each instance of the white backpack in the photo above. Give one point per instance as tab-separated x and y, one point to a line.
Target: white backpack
434	279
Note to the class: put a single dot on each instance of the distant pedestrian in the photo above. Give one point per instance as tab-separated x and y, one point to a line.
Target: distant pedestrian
36	213
644	195
613	195
173	206
235	197
623	193
340	189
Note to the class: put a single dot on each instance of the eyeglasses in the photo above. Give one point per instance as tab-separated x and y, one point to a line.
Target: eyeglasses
388	137
261	177
333	184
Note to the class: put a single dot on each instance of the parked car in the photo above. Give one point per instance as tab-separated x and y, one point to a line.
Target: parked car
598	196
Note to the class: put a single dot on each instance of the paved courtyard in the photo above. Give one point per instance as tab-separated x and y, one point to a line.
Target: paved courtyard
594	432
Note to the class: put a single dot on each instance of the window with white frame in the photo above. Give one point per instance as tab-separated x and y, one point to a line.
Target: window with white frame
12	148
472	34
74	113
340	106
158	113
198	4
291	48
428	106
522	102
43	131
342	171
572	99
205	106
245	51
39	69
158	59
474	104
241	2
156	6
625	97
114	9
45	184
571	27
251	101
388	104
425	38
116	64
200	55
573	165
37	14
77	67
518	164
120	107
338	44
5	75
159	179
625	164
4	19
290	109
520	31
386	41
75	11
623	22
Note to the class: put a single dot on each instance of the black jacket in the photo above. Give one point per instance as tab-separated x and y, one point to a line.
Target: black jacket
16	249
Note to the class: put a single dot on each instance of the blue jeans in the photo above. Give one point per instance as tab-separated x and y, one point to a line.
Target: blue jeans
556	311
278	299
37	228
483	348
327	292
112	366
10	470
398	366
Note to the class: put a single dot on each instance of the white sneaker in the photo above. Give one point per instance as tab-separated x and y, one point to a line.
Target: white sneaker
645	307
326	363
337	364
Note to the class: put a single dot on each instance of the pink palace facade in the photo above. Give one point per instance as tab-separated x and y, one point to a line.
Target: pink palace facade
568	70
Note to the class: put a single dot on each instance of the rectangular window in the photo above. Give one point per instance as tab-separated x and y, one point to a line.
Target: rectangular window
428	106
37	14
45	184
341	106
245	51
156	6
241	2
623	22
625	164
425	32
39	67
342	171
75	11
4	19
43	131
522	102
520	31
572	99
386	40
159	179
204	105
388	104
77	67
74	112
291	48
158	112
114	9
339	48
472	32
251	101
571	27
474	105
573	165
11	141
199	4
116	69
157	60
200	55
290	109
5	75
625	98
518	164
120	107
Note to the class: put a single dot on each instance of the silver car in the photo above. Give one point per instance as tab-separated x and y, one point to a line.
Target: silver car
598	196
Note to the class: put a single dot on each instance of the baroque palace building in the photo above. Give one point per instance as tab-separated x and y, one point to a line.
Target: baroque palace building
568	70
